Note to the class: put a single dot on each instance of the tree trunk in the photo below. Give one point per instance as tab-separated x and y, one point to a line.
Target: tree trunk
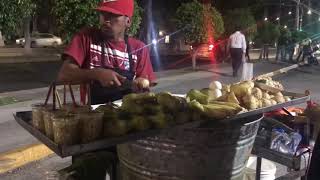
194	57
27	45
261	53
35	23
1	40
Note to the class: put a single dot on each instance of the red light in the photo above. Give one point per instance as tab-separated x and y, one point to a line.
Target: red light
211	46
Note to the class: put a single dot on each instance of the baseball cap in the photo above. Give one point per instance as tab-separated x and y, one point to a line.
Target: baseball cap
121	7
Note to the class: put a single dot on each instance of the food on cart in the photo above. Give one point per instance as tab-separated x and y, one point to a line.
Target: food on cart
266	95
225	89
242	89
287	98
270	82
212	94
140	112
170	103
215	85
139	123
66	128
215	109
257	93
231	97
250	102
249	94
195	94
114	128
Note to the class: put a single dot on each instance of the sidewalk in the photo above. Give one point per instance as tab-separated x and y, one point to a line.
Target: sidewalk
17	55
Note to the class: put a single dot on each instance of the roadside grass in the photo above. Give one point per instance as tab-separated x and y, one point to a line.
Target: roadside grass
7	100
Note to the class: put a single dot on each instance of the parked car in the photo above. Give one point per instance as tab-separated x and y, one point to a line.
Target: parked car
205	51
209	52
42	40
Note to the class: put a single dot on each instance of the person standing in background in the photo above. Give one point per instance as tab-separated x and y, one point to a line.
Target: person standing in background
237	46
248	51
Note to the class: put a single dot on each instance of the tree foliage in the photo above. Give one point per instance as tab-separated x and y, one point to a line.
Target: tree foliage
285	36
268	33
136	19
199	22
72	15
299	36
12	14
243	19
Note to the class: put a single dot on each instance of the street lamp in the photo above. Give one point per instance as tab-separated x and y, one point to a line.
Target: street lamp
154	42
309	12
265	19
285	26
289	12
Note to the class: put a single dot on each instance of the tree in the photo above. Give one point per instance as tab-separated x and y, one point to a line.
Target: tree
268	33
243	19
299	36
72	15
200	23
11	14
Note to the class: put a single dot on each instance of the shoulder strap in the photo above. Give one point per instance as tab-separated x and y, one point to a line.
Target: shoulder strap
126	40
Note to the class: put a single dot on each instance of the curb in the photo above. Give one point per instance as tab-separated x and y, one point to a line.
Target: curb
16	158
13	60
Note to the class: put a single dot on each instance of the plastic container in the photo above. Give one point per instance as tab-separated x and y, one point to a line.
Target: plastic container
268	169
47	119
47	113
65	128
37	117
91	123
74	109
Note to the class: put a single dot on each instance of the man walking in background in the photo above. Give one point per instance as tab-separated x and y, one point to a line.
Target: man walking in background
237	46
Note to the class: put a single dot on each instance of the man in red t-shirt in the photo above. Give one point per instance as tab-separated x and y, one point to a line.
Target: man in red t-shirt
106	57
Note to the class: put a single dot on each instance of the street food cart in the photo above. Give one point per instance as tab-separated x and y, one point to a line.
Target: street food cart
206	148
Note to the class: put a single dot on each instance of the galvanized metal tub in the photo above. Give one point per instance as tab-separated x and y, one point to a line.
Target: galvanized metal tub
216	153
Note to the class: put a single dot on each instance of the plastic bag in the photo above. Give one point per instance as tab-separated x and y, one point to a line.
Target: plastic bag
247	71
283	142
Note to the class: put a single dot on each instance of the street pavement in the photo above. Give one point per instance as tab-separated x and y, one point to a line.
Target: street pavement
176	81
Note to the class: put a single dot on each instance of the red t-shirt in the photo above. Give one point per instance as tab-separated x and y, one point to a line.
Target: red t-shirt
85	48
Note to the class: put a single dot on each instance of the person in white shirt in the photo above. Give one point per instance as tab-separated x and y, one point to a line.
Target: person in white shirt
237	46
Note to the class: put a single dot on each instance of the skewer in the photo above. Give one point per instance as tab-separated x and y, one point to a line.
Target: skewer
64	95
54	96
59	100
279	71
72	96
48	95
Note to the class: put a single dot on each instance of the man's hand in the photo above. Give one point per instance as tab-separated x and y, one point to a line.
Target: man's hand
108	77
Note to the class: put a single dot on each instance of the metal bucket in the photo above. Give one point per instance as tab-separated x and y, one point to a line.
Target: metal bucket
216	153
